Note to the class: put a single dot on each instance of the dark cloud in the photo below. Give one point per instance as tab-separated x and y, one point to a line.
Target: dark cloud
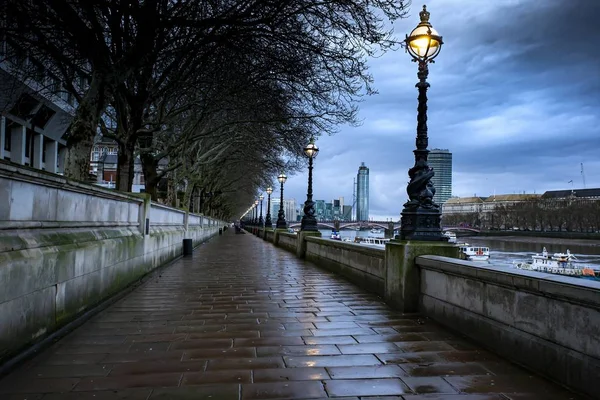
515	95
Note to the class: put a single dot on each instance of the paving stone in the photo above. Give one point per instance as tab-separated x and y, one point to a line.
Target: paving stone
377	371
157	367
245	363
329	340
124	394
317	350
228	376
129	381
365	387
33	385
429	384
368	348
283	390
70	371
515	384
241	318
445	369
290	374
204	392
332	361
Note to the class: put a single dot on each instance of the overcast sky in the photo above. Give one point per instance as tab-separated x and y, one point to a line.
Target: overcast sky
515	96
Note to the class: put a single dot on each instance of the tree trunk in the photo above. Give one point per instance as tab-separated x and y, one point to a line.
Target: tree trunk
151	178
81	133
125	165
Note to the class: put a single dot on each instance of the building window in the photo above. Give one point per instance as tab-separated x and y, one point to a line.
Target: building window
112	150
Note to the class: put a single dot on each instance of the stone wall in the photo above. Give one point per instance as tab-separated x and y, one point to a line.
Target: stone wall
286	240
359	264
65	246
549	324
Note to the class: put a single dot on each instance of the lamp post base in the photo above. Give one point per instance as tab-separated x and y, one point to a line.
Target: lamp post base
421	224
281	224
308	224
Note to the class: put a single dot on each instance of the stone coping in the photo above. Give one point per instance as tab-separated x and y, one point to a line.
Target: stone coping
373	252
575	290
287	234
43	178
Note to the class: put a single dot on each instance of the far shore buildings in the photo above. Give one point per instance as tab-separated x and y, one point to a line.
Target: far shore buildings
483	207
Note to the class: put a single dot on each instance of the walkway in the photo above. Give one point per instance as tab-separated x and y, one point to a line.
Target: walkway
245	320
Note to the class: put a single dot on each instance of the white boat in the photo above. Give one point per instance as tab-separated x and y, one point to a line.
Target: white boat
451	236
373	241
335	235
558	263
474	253
376	230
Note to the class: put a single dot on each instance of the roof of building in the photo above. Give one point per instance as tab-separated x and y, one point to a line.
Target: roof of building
557	194
512	197
463	200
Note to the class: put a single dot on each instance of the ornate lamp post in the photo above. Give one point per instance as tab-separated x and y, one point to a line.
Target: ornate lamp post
255	212
421	216
260	219
281	224
309	222
268	222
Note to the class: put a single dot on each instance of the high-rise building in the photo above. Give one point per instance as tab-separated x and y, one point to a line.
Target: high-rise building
289	208
362	193
441	162
320	210
347	213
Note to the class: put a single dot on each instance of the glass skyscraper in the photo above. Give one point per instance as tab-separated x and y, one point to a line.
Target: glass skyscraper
362	193
441	162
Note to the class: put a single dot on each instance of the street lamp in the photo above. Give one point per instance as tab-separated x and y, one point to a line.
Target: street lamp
421	216
268	222
281	224
256	214
309	222
260	219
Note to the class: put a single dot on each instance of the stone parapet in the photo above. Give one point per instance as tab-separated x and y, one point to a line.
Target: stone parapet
65	246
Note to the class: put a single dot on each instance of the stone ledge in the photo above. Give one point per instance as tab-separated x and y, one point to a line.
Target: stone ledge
42	178
379	253
574	290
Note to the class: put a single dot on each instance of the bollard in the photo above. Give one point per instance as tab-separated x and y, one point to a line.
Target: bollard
188	247
220	231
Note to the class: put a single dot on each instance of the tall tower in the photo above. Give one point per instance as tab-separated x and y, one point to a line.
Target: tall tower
362	193
441	162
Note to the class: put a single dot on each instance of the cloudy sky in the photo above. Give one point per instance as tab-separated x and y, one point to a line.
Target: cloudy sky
515	96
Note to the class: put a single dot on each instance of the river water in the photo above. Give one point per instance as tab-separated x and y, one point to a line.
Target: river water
506	250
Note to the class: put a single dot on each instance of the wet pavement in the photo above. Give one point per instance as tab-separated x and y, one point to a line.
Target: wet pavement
243	320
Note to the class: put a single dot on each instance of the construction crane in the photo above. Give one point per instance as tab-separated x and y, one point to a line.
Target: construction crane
582	176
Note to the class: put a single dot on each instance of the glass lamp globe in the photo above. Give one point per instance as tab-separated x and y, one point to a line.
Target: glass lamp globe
269	190
311	150
282	178
261	197
424	43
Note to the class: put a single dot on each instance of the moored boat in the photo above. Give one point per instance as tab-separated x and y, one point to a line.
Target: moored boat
559	264
372	241
474	253
451	236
